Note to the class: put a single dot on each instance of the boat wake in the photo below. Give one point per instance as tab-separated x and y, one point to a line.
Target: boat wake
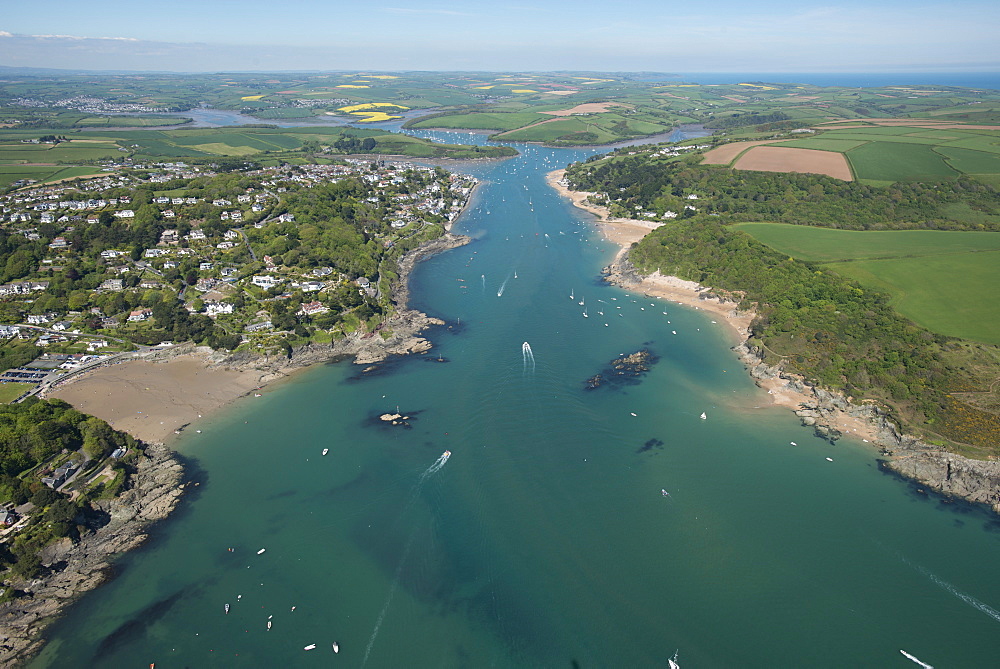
436	467
915	660
948	587
427	473
529	357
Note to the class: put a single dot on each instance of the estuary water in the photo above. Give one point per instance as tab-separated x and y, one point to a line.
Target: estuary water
569	527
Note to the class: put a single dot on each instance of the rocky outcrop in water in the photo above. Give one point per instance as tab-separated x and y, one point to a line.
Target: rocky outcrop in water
626	369
950	474
154	490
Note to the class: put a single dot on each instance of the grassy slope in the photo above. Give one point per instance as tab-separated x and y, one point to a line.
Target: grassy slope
930	274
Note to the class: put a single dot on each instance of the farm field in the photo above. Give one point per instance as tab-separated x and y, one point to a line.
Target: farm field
928	273
938	292
47	162
881	154
782	159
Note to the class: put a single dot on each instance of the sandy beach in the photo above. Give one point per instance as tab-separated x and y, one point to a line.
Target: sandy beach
625	232
152	399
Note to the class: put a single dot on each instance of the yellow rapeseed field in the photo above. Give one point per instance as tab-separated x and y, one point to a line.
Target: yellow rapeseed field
369	105
372	116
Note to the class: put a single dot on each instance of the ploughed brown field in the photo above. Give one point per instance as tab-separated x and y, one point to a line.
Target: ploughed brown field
723	155
587	108
787	159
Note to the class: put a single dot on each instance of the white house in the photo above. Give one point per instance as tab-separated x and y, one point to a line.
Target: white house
265	280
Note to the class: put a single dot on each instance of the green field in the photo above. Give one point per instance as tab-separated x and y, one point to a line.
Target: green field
487	121
932	275
947	294
830	245
11	391
893	161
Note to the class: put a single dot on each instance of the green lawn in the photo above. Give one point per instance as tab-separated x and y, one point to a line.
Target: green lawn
941	280
11	391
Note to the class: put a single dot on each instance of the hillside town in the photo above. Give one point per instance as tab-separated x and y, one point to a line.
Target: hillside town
151	254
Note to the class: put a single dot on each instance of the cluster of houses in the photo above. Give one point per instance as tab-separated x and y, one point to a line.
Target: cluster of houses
89	104
408	192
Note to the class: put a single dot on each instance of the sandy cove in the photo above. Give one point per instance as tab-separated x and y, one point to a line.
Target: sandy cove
829	413
155	395
782	390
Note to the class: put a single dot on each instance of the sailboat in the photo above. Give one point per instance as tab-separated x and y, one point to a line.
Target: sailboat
585	313
580	302
571	294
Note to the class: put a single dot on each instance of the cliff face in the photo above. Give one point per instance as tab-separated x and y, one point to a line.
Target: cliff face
154	492
947	473
972	480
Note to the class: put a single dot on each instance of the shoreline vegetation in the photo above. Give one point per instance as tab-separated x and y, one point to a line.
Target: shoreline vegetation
830	414
153	397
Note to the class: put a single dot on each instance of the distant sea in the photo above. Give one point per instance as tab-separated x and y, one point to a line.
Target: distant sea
854	79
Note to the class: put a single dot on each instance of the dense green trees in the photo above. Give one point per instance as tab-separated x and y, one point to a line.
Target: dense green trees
831	330
805	199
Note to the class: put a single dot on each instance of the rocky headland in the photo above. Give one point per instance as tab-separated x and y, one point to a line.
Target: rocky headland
154	489
831	415
156	484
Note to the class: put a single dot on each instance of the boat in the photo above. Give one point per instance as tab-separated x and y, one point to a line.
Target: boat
310	646
325	451
336	647
261	551
268	624
446	455
227	608
703	416
663	491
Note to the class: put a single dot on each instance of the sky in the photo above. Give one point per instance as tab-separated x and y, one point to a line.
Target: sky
638	35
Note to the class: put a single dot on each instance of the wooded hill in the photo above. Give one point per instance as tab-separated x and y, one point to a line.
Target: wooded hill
833	331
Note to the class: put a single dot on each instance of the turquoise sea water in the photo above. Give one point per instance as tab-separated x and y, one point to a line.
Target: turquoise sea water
545	540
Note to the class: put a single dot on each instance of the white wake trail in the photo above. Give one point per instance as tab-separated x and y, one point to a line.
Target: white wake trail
427	473
917	661
529	357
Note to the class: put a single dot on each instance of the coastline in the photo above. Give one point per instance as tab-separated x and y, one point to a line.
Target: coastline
155	488
154	396
830	414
